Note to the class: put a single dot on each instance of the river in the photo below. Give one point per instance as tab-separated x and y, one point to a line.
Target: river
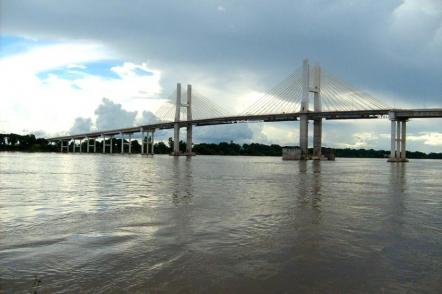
98	223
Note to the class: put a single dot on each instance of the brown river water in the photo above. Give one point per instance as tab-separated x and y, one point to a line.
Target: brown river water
73	223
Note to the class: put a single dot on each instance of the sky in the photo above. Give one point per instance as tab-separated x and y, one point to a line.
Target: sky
73	66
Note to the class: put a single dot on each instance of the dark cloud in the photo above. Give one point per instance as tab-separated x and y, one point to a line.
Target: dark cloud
111	115
391	46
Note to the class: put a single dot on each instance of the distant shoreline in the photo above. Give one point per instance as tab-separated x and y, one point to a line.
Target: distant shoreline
244	155
29	143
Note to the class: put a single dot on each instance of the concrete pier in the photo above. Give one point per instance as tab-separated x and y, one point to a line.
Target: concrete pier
147	142
303	122
317	122
107	145
64	146
142	140
122	143
152	142
89	145
176	127
398	150
103	141
189	118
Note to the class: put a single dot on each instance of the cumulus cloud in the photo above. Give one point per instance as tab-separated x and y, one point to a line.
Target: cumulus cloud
148	117
111	115
427	138
59	80
81	125
363	140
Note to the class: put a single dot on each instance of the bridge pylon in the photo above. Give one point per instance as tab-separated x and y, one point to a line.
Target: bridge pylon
189	118
317	122
304	118
177	122
176	126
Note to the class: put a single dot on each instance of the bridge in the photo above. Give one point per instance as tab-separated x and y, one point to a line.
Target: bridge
308	94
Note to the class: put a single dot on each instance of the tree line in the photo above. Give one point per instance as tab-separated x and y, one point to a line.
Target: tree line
29	143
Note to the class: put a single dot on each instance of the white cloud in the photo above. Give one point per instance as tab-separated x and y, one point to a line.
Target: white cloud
427	138
29	102
80	66
364	140
48	57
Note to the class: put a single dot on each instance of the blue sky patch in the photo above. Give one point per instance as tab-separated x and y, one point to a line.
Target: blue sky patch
102	68
98	68
11	45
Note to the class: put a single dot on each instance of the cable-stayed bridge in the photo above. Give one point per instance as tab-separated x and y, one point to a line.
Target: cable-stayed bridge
307	94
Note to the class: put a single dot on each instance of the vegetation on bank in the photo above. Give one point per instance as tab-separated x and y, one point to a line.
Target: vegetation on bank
29	143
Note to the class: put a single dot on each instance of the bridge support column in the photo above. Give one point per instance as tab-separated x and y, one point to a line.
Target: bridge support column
403	141
317	139
73	145
149	145
176	137
303	136
189	118
62	147
393	140
142	140
111	143
153	142
130	143
303	123
317	122
103	143
398	139
122	143
189	140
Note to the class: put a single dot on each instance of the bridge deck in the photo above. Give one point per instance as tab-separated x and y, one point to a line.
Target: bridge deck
357	114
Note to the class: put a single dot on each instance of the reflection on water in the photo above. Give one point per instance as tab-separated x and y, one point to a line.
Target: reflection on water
97	223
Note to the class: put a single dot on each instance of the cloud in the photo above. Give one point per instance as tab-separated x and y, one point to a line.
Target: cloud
389	48
147	117
377	51
427	138
81	125
223	133
62	81
362	140
111	115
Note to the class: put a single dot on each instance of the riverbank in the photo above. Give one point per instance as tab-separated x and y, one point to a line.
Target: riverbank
29	143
